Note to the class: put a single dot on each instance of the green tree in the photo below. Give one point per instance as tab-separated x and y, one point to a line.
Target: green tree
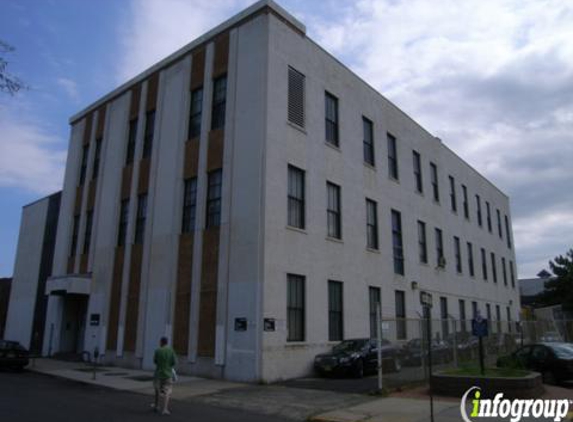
8	83
559	289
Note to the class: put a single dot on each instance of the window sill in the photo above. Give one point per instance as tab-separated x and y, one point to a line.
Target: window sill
295	126
419	193
436	202
334	147
296	229
334	239
373	250
295	344
369	166
393	179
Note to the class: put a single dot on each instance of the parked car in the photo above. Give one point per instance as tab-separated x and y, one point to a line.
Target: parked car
553	360
358	357
465	343
416	350
13	355
551	336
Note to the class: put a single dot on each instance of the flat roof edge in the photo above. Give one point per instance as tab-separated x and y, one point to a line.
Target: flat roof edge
229	23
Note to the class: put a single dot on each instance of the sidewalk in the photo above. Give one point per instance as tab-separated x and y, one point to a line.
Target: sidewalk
134	380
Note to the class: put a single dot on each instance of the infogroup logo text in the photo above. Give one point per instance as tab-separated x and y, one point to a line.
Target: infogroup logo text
514	410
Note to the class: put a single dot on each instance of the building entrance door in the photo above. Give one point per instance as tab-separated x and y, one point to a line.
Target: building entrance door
73	323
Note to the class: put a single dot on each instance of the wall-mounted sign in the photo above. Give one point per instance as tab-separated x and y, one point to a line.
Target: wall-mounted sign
240	324
269	324
94	320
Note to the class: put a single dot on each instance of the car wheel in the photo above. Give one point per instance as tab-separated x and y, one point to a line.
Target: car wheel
397	365
549	378
359	369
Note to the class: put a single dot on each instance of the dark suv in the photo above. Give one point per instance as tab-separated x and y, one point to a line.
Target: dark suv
357	357
13	355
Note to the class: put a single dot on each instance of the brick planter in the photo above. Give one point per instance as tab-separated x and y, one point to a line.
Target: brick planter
528	387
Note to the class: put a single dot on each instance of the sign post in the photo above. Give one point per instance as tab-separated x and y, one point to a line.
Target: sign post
426	301
479	329
379	344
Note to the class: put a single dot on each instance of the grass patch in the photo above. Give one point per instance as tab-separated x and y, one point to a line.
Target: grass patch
475	371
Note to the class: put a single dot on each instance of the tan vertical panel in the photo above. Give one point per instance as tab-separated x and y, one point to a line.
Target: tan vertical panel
143	182
208	300
100	121
84	263
134	105
115	298
126	181
198	69
133	291
152	86
221	59
88	129
183	294
191	159
71	263
215	150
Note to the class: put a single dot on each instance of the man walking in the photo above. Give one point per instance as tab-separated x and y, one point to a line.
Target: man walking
165	360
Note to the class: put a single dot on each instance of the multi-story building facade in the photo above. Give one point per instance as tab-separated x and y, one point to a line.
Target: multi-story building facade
252	198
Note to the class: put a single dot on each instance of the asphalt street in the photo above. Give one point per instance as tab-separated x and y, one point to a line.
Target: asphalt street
32	397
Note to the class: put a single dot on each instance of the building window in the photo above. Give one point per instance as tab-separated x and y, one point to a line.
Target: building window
88	232
462	305
483	264
440	258
84	164
392	157
458	254
511	274
474	309
219	102
422	243
493	267
215	182
295	97
97	156
335	313
417	162
471	259
453	199
499	229
507	233
195	113
123	218
498	317
141	218
466	205
444	317
374	299
371	224
488	216
148	136
488	313
75	233
295	307
331	118
397	246
434	180
508	310
478	209
189	205
295	197
132	136
504	271
333	211
368	129
400	315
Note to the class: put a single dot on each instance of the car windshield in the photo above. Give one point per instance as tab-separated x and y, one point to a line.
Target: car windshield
349	346
563	351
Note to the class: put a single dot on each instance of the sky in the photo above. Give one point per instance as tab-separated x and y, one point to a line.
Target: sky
492	78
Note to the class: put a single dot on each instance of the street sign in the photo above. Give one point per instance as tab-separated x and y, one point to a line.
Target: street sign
479	327
426	299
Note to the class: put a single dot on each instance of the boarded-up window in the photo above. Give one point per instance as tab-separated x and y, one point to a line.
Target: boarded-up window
295	97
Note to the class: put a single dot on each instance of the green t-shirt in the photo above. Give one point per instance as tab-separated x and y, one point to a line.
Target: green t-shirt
164	359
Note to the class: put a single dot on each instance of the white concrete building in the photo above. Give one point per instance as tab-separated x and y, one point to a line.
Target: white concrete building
250	197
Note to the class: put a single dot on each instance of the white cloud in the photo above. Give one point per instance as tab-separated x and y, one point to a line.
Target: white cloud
29	158
157	28
70	87
494	80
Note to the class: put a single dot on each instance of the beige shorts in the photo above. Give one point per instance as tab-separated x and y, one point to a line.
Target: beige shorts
163	386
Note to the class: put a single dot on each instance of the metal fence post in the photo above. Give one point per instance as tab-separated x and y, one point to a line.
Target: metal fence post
379	343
